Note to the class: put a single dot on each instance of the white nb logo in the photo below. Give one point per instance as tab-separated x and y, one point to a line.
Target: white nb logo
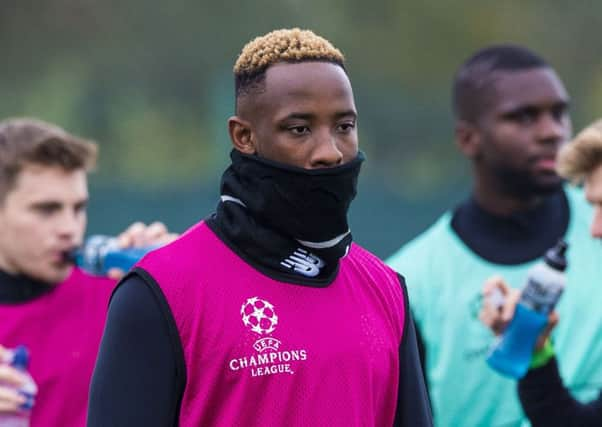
304	263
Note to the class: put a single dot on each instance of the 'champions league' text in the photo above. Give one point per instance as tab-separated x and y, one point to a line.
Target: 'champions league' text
269	363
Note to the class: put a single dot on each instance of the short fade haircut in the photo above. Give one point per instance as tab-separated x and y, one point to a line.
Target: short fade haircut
476	74
25	141
580	157
286	45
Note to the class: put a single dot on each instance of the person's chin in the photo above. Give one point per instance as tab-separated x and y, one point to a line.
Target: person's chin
56	275
550	184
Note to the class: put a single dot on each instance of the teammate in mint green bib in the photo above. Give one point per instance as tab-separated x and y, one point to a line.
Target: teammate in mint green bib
511	117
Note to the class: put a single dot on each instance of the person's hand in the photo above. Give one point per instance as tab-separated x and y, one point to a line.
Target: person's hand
139	235
10	381
499	304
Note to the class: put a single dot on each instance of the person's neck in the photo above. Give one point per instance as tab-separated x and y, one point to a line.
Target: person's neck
498	203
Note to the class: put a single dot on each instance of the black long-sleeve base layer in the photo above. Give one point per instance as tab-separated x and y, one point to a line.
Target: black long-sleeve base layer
139	376
416	412
140	373
548	403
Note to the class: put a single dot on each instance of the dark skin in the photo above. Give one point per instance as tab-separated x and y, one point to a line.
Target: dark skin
514	141
305	117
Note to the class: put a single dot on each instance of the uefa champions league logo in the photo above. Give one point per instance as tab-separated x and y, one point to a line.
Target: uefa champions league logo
260	317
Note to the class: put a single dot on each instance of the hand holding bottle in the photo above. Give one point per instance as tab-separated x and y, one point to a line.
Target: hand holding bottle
499	305
17	388
139	235
523	317
113	256
10	382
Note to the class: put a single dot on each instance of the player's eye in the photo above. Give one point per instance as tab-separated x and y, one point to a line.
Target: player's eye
299	130
346	127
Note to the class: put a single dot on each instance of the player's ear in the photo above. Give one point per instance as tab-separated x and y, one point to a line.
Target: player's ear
241	135
467	138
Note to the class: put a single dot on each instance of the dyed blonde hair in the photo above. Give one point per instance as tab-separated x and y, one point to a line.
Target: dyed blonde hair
581	156
286	45
29	141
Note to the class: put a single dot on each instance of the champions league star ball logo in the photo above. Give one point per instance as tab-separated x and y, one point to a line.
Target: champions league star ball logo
259	315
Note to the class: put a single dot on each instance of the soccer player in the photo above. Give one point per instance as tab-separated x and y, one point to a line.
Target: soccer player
46	304
545	399
266	313
511	117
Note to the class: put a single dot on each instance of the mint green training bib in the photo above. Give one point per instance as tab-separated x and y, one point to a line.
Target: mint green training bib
444	279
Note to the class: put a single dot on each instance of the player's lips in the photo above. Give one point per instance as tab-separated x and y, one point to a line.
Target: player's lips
57	256
546	164
61	255
545	161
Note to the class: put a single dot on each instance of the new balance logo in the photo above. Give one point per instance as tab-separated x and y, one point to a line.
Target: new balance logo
304	263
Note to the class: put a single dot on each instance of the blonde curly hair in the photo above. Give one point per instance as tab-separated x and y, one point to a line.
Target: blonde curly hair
285	45
581	156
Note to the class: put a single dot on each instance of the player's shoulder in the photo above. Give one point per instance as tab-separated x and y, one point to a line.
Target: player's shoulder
578	204
379	277
363	256
426	244
369	265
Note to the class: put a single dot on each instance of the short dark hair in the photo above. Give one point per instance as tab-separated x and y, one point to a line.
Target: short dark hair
26	141
476	72
286	45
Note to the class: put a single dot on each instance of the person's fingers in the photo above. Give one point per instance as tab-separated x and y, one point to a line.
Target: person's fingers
493	283
495	292
131	234
10	399
512	298
491	317
155	230
552	322
115	273
140	235
154	234
170	237
493	320
488	317
10	376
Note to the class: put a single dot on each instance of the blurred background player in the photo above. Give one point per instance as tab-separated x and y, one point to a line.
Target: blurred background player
511	117
55	310
545	399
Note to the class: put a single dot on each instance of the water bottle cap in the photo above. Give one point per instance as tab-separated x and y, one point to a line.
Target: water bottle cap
555	257
21	357
91	255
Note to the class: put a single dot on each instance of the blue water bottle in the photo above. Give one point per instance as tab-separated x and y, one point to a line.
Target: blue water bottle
19	359
101	253
511	353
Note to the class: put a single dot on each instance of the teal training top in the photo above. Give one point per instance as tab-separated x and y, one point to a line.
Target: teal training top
445	279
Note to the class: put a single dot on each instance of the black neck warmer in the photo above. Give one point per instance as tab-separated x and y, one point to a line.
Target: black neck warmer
288	222
18	289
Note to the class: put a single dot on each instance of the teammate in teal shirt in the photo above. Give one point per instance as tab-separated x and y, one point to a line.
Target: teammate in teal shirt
511	117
